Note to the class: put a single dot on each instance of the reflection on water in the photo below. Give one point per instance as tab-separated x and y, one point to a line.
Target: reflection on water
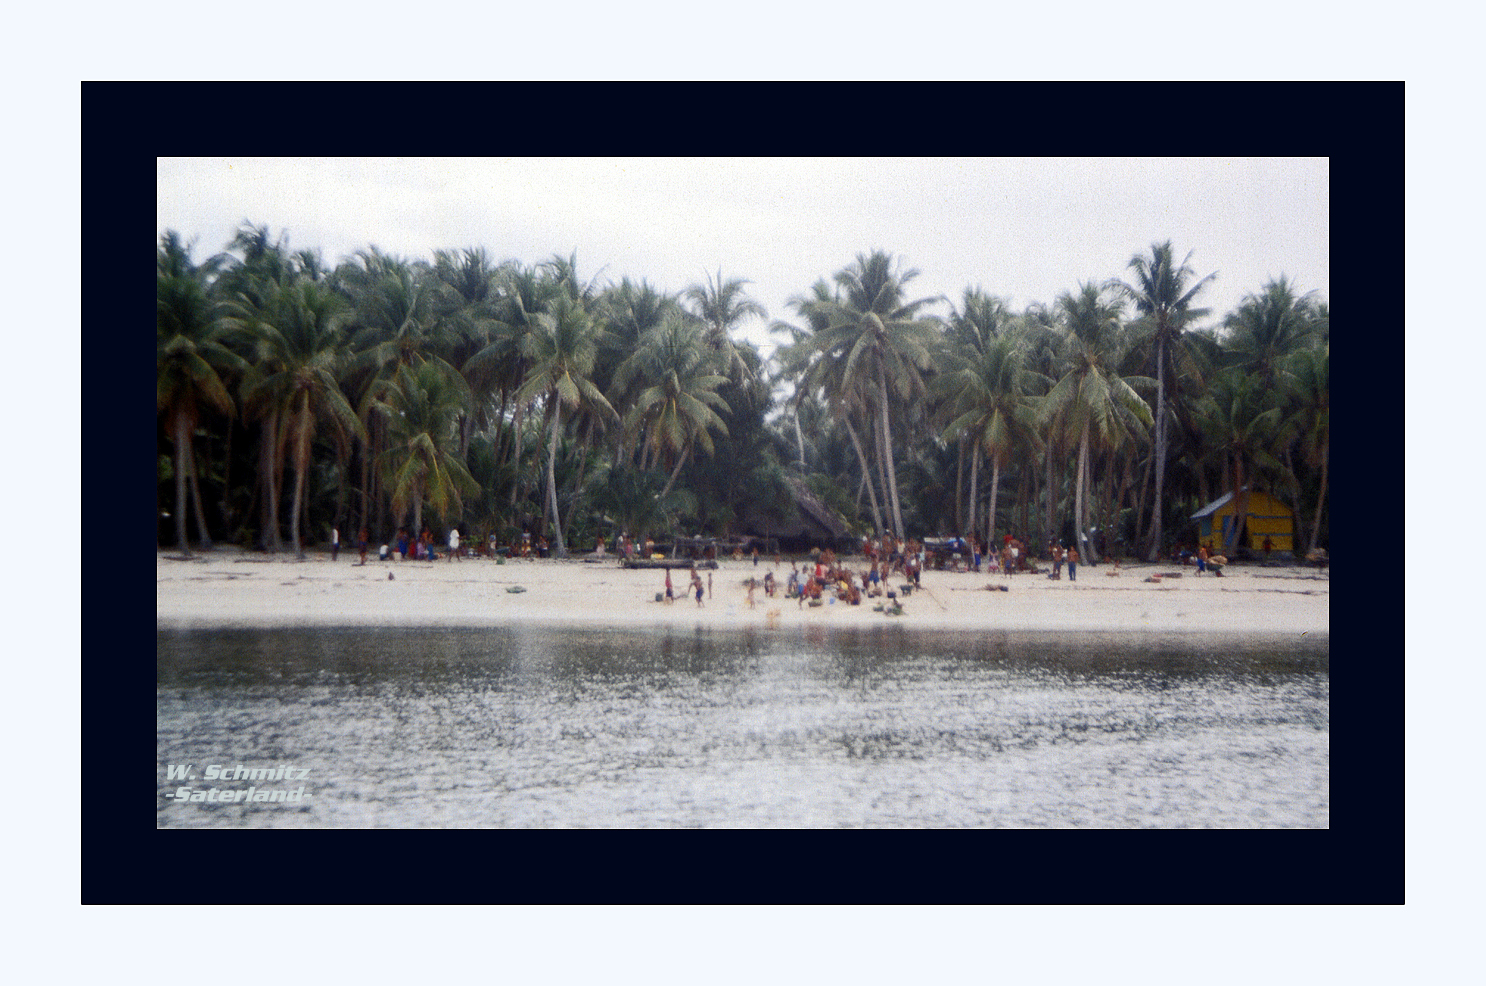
556	727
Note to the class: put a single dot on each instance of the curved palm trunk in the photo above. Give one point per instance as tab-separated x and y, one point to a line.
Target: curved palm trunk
799	438
562	550
887	452
182	433
1158	504
685	453
1321	500
856	443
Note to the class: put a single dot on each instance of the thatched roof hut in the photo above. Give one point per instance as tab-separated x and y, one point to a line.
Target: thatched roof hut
809	524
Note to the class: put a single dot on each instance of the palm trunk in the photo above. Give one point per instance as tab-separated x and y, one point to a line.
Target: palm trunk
1080	524
800	439
1049	491
1240	506
182	431
856	443
517	422
960	489
887	452
677	471
268	458
1157	507
562	551
203	539
1321	499
995	494
299	472
974	492
301	453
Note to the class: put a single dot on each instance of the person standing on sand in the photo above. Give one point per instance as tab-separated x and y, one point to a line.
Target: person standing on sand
1057	552
670	591
335	543
361	540
453	543
1201	558
1268	547
1072	564
402	544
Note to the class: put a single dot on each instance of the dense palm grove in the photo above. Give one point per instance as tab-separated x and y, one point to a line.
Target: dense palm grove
502	398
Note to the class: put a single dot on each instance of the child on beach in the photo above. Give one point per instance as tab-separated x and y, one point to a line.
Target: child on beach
670	591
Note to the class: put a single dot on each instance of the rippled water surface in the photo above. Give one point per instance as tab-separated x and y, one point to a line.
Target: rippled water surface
556	727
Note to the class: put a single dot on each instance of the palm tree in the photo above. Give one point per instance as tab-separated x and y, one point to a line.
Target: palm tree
191	354
422	408
1268	327
303	348
986	391
1310	387
561	349
1240	419
882	340
969	329
722	305
1091	399
1163	295
678	401
818	374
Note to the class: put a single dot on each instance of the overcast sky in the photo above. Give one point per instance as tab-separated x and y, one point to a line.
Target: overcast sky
1024	229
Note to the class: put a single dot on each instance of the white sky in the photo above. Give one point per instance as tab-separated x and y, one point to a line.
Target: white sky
1026	229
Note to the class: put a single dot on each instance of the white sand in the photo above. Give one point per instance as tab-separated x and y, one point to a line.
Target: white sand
230	587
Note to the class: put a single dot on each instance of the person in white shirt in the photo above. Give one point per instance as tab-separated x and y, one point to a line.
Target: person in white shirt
453	543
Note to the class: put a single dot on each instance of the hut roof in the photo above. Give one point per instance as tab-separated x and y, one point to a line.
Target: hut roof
1219	503
814	519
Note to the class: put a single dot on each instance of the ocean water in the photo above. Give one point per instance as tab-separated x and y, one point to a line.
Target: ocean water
888	727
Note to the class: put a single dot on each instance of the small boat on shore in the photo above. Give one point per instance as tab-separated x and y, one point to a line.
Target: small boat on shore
668	563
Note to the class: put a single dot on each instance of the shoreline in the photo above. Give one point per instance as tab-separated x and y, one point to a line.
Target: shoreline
229	587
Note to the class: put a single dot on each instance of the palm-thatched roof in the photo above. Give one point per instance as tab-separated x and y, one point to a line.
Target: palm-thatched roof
811	519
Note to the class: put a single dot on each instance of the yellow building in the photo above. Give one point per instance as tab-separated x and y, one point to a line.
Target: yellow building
1268	517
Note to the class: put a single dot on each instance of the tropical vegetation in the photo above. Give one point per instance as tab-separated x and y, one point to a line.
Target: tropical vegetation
510	399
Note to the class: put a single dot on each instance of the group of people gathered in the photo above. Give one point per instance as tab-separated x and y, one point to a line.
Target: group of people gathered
424	548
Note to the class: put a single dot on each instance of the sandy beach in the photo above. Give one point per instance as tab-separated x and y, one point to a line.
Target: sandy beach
229	587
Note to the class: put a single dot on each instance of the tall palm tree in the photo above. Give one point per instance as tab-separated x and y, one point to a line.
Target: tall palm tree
562	349
722	305
422	408
678	401
303	347
191	356
1162	294
882	339
987	393
819	375
1091	399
